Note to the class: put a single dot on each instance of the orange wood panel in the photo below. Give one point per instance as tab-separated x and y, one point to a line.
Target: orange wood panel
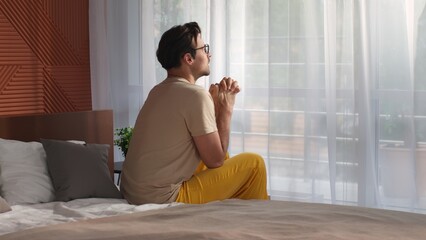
44	57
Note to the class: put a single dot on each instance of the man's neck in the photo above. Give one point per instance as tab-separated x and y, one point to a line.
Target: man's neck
181	74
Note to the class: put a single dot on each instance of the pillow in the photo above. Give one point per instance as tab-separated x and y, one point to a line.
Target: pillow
23	173
79	171
4	207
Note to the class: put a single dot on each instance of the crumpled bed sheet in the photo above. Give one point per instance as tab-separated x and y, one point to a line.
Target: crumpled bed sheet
36	215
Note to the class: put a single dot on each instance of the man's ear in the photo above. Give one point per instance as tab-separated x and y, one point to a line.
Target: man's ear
188	58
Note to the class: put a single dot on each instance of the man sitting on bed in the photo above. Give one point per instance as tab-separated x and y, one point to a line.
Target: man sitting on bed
178	150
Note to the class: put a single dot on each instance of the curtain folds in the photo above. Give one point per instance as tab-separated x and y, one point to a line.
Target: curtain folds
333	90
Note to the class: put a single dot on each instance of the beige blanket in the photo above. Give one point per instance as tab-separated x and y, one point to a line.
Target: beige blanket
243	219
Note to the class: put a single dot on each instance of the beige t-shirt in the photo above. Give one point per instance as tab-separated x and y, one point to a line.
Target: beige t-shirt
162	153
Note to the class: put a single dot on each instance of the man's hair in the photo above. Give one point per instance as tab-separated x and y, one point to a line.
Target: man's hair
175	42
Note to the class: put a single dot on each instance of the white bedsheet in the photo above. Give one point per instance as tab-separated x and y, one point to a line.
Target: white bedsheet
36	215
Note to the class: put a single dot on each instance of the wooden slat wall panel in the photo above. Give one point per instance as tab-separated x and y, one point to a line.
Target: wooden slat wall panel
44	56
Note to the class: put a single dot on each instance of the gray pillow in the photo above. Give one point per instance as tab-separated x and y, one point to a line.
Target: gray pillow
79	170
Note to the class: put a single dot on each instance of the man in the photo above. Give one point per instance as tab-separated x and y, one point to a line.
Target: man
178	150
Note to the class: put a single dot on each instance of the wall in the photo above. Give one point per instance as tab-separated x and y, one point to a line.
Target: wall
44	56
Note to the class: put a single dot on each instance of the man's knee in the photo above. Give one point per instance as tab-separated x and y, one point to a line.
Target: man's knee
252	158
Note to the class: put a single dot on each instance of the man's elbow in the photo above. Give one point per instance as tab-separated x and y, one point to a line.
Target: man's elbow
215	164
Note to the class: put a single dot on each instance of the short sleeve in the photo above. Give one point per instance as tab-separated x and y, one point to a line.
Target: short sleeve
199	115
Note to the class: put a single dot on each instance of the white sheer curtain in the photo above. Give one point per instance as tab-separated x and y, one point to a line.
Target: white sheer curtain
333	90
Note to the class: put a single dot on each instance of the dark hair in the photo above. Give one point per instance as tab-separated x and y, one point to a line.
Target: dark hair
175	42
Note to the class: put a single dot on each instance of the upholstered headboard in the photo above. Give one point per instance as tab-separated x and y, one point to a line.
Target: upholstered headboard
89	126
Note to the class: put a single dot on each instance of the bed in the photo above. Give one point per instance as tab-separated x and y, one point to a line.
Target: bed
86	213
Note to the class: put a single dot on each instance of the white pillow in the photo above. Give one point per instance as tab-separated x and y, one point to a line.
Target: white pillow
4	206
23	173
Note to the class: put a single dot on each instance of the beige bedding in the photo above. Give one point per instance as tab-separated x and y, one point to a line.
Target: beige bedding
243	219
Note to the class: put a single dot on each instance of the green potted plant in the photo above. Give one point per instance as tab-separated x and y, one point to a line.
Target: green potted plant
122	140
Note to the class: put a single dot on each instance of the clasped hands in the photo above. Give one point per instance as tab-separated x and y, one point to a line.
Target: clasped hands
223	94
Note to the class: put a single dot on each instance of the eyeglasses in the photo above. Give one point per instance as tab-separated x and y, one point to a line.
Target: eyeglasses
206	48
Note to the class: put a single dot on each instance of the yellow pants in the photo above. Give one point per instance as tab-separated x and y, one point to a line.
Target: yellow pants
242	176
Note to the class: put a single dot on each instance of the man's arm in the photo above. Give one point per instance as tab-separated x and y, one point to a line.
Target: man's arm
214	146
210	149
